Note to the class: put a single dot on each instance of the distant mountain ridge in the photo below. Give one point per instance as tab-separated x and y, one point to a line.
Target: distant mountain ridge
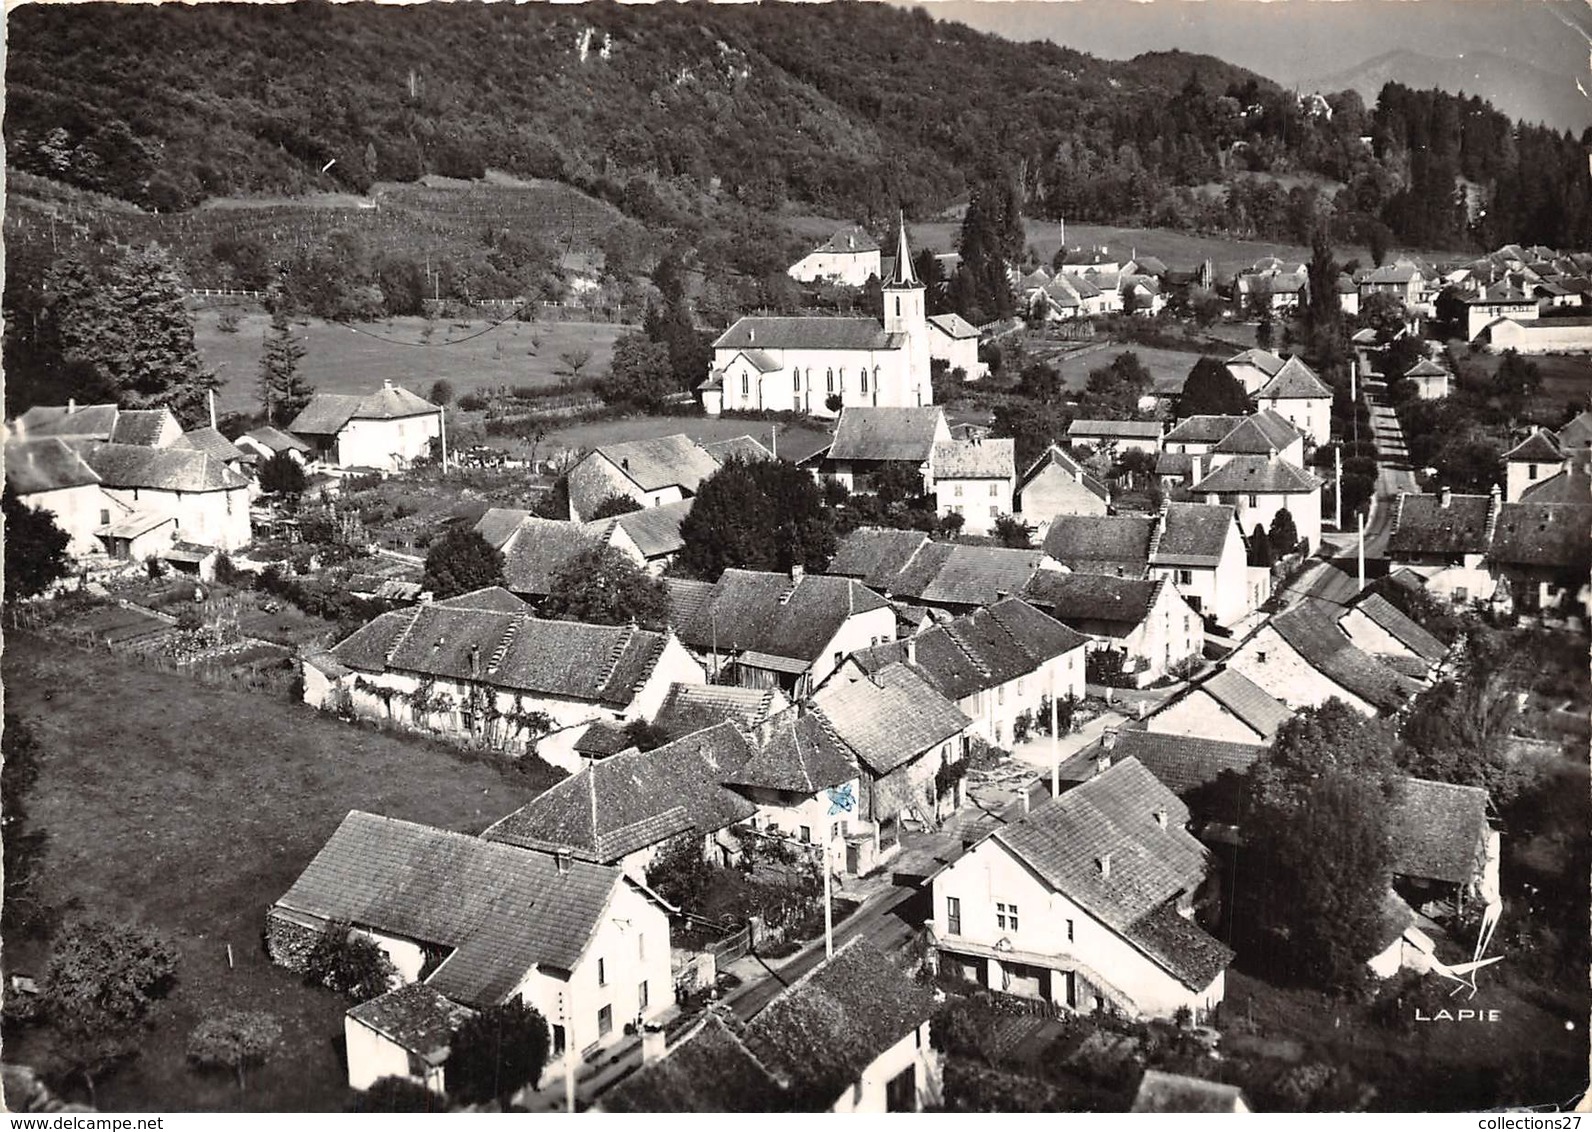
1522	91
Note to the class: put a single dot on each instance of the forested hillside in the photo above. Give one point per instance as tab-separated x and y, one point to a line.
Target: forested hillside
674	111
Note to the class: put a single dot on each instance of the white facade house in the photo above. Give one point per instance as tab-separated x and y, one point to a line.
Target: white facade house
206	502
954	340
49	475
1301	398
1058	484
1432	381
1444	538
1200	549
1226	707
1303	658
1258	487
1087	903
1532	461
1145	620
386	430
850	257
1500	300
807	365
974	479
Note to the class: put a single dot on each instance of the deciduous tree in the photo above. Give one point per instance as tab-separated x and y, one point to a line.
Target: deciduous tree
1284	536
759	515
35	549
605	586
640	374
348	963
461	561
496	1053
234	1040
282	475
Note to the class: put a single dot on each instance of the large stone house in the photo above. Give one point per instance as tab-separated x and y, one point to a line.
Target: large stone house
1303	658
205	502
1058	484
664	469
1301	398
974	479
386	430
1145	621
850	257
915	571
869	440
49	475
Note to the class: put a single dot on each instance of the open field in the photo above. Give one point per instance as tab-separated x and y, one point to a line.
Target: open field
1168	368
340	360
191	809
1565	379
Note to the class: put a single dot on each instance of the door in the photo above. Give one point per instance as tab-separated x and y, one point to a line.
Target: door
901	1091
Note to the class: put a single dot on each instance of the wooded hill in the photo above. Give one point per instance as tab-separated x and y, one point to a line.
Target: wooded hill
673	111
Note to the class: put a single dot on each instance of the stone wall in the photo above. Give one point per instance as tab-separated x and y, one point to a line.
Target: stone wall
287	943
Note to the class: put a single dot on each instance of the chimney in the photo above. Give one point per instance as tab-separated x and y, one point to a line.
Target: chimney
1446	496
1108	740
561	859
1102	763
212	395
386	383
912	650
71	405
624	463
1022	793
1160	816
1104	861
1194	471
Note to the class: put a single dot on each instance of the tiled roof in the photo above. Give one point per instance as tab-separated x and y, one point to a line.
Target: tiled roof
144	427
1055	456
501	910
1195	534
975	459
1206	773
1438	830
1247	700
1293	381
691	707
654	530
746	448
635	799
159	469
811	333
91	422
1540	447
1202	428
795	752
1112	817
500	524
590	663
1128	430
1118	545
888	718
1263	360
953	325
415	1017
1544	534
1173	1092
1423	525
686	597
661	462
1258	435
392	402
1322	582
131	526
1578	432
540	549
707	1070
275	439
1426	367
1573	486
211	442
603	738
887	434
1258	475
875	555
47	464
1391	273
953	574
757	611
849	240
325	415
493	598
1401	628
1150	265
819	1034
1092	597
1323	646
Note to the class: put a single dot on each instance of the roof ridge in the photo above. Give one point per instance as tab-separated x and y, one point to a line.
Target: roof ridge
400	637
966	649
616	652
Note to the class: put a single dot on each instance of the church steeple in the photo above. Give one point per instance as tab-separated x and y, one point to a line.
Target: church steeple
904	275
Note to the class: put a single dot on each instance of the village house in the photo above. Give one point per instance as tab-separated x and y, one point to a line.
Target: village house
1348	295
787	631
910	744
387	430
481	924
1200	444
471	669
819	365
1258	487
1000	664
1087	903
1540	555
1116	437
265	442
1273	285
1253	368
1145	622
954	341
1402	279
146	428
664	469
974	479
1524	335
1175	1092
204	502
1432	380
1572	484
1528	463
803	781
1377	626
1058	484
1501	300
1444	538
1304	658
692	707
1224	706
850	257
49	475
911	569
1301	398
706	1069
537	551
869	440
67	422
405	1033
1445	852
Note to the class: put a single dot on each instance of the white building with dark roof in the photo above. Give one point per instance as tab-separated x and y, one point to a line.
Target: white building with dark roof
806	365
868	440
204	501
974	479
850	257
49	474
1301	398
954	340
386	430
1058	484
652	472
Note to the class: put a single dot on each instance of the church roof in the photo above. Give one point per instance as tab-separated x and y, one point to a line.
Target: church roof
810	333
903	275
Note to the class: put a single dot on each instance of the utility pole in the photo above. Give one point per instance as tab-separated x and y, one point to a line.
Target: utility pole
1337	485
1055	738
442	421
1361	554
829	910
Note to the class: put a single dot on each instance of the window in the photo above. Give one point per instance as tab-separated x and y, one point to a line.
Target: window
806	834
1254	501
558	1041
1069	931
829	379
1000	694
865	381
1006	917
994	510
953	915
745	386
1019	685
605	1021
994	490
958	491
602	972
105	518
1531	471
898	306
834	830
641	945
641	996
1185	577
901	1091
796	380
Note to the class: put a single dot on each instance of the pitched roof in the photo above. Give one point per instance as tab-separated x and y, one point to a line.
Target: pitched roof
1438	830
803	333
159	469
1112	817
275	439
325	415
1173	1092
1195	534
1263	360
1293	381
654	530
709	1069
1092	597
886	434
1578	432
93	422
1192	768
1258	475
1427	367
143	427
875	555
1055	456
1134	430
635	799
991	458
1259	435
1247	700
603	738
541	548
819	1034
391	402
1322	582
1544	534
758	611
1540	447
1203	428
1397	624
795	752
591	663
689	707
1118	545
1323	646
46	464
493	598
1573	486
500	524
953	325
500	909
1422	524
888	718
416	1017
744	447
943	573
1401	272
138	523
211	442
686	597
662	461
848	240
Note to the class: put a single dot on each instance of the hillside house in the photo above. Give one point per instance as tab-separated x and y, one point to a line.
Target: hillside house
1301	398
787	631
471	670
1490	304
868	440
265	442
205	502
850	257
1253	368
1087	903
913	570
1225	706
1058	484
1258	487
536	550
1541	555
1444	538
70	421
1402	279
1547	336
804	782
974	479
1377	626
665	469
1445	852
1116	437
146	428
1432	380
1272	284
387	430
1528	463
483	923
48	474
1303	658
406	1033
1145	622
998	665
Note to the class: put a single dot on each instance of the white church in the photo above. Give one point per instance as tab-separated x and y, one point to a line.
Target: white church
819	365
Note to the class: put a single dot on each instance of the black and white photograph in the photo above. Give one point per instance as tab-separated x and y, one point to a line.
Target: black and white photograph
872	556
